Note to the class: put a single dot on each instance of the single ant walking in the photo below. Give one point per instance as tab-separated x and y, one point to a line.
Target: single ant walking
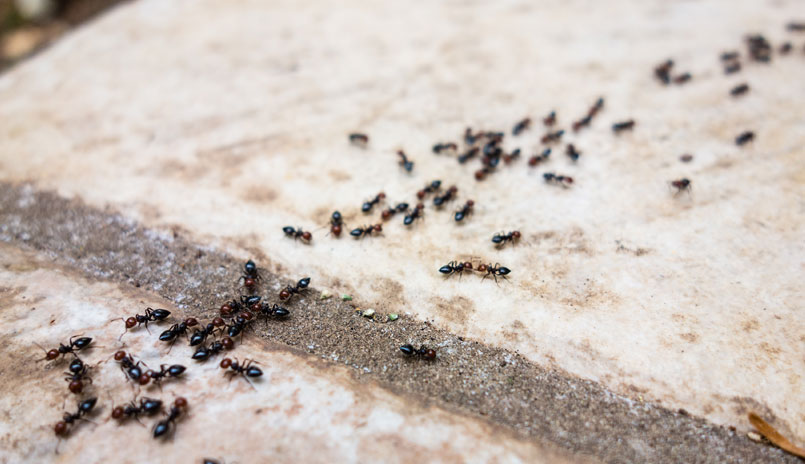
514	155
465	211
744	138
151	315
389	212
597	106
501	239
440	147
407	164
468	155
447	196
551	137
291	290
582	123
681	185
495	271
423	351
173	371
542	157
455	267
359	139
433	187
619	127
205	352
147	407
84	408
246	369
163	427
552	178
572	153
297	233
521	126
549	120
739	90
250	275
415	214
663	71
75	344
368	205
336	223
366	230
682	78
77	375
275	310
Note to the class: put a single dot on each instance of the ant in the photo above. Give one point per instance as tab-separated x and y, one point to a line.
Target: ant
552	178
296	233
572	153
389	212
130	368
759	48
597	106
76	376
275	310
289	290
681	185
732	68
785	48
521	126
739	90
663	71
407	164
581	123
795	27
84	408
469	154
414	215
537	159
203	352
511	156
551	137
494	271
465	211
433	187
447	196
230	307
175	330
74	345
368	205
250	275
366	230
470	138
336	223
440	147
240	323
359	139
151	315
246	369
174	371
549	120
200	335
745	137
682	78
423	351
729	56
500	240
147	406
455	267
622	126
491	149
166	425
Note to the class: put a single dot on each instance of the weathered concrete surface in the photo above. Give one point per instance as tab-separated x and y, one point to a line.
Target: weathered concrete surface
237	129
295	414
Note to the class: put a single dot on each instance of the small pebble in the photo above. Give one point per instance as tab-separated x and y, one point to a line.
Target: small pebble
754	436
326	295
368	313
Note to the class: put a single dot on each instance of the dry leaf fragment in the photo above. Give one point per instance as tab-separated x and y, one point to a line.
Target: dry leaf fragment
774	436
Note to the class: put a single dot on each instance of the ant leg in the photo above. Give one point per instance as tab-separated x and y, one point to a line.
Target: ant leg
146	328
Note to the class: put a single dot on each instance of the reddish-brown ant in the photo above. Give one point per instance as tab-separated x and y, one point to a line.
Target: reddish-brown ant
521	126
366	231
75	344
151	315
336	223
744	138
368	205
440	147
552	178
686	158
291	290
537	159
245	369
495	271
549	120
622	126
297	233
456	267
465	211
551	137
572	153
739	90
663	71
203	353
682	78
447	196
77	375
84	408
597	106
407	164
147	406
681	185
163	427
581	123
500	240
389	212
515	154
359	139
423	351
433	187
415	214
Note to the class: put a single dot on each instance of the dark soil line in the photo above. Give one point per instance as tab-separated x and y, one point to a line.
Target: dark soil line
497	385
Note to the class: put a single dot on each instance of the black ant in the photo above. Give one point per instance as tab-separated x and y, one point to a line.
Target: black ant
407	164
246	369
368	205
795	27
469	137
572	153
175	330
785	48
336	223
494	271
415	214
433	187
549	120
542	157
729	56
581	123
511	156
359	139
200	335
456	267
151	315
492	150
551	137
174	370
75	344
597	106
77	375
275	310
147	406
440	147
289	290
84	408
732	68
739	90
447	196
682	78
423	351
500	240
745	137
759	48
465	211
239	324
250	275
366	230
205	352
552	178
468	155
296	233
681	185
130	368
521	126
663	71
166	425
389	212
622	126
